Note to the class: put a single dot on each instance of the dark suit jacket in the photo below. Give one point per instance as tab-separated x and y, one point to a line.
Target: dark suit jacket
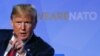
34	47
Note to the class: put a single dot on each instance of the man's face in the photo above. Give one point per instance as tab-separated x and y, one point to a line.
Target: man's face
23	27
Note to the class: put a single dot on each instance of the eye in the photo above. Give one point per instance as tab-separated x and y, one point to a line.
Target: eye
18	22
28	22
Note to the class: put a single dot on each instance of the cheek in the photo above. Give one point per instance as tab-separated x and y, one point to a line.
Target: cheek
16	27
29	28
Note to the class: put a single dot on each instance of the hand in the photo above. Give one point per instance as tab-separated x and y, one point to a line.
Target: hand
18	45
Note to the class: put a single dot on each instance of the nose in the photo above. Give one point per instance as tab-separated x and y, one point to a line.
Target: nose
23	26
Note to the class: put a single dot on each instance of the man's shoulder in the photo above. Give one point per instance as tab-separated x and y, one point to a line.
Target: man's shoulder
38	41
41	46
5	33
5	30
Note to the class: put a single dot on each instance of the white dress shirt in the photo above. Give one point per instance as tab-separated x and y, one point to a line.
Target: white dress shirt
10	46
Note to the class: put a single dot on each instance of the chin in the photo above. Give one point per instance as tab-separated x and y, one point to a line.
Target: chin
23	38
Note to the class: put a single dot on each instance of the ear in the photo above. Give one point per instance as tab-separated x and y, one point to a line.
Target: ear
34	26
12	23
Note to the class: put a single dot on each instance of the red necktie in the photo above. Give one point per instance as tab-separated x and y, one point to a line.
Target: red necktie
12	52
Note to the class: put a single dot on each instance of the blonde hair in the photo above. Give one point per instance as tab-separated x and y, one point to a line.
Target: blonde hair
25	10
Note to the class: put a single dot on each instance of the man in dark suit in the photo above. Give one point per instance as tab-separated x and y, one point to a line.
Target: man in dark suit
21	41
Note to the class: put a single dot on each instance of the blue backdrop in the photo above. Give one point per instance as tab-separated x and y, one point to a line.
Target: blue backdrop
72	27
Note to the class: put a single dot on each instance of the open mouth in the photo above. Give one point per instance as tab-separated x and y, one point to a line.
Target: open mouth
23	34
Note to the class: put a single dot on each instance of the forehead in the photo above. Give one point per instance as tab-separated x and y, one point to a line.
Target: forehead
22	19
